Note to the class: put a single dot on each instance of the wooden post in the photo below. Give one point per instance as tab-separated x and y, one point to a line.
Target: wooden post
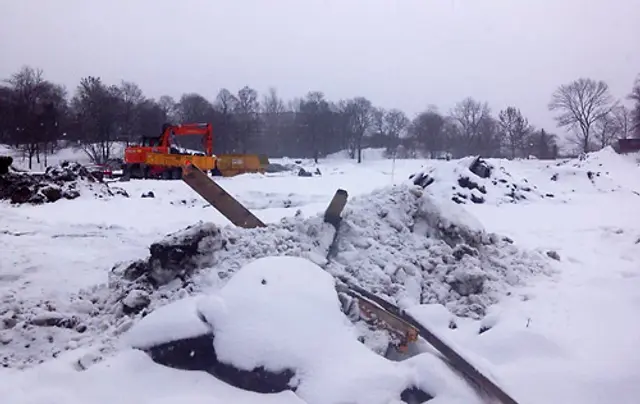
333	213
220	199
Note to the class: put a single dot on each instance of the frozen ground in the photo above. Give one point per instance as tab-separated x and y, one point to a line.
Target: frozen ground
571	337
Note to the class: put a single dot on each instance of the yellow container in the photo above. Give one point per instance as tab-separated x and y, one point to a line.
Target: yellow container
205	163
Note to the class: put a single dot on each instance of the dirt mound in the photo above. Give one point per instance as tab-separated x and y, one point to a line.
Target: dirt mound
476	180
65	181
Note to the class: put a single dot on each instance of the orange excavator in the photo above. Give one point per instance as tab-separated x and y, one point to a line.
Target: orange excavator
186	144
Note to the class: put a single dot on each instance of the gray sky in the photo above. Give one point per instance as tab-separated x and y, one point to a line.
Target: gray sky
398	53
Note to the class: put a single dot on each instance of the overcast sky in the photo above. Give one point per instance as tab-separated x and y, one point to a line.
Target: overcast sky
398	53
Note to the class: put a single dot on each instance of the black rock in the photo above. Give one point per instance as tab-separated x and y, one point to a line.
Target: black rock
52	193
480	168
553	255
198	354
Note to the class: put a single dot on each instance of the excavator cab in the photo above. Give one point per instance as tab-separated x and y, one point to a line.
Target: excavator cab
151	141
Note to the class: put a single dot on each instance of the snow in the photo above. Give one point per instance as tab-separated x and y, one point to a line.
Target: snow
129	377
566	336
256	320
367	154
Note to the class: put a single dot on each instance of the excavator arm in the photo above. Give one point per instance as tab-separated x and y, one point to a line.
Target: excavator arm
203	129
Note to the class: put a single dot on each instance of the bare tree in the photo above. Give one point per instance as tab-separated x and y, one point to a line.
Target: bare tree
6	116
622	117
225	105
273	110
151	117
35	105
635	112
360	115
395	124
472	118
580	105
606	130
378	132
97	109
541	144
193	108
131	96
313	123
169	106
246	112
427	131
515	128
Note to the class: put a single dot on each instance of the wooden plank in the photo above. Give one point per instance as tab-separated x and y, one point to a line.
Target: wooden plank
486	386
334	211
333	216
220	199
379	317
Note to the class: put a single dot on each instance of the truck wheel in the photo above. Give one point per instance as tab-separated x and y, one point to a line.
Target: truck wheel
133	170
177	173
126	173
167	174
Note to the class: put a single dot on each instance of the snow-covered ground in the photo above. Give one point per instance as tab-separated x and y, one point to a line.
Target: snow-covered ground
568	337
21	160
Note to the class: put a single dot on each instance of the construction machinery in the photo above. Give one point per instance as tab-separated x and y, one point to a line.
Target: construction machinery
165	156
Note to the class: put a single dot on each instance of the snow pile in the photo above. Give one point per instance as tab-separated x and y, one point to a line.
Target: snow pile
130	377
601	171
398	243
65	181
475	180
254	320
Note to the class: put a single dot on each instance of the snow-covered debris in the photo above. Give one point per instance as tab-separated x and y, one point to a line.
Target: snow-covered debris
600	172
476	180
5	164
254	322
65	181
399	243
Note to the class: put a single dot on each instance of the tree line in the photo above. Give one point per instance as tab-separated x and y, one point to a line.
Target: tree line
37	116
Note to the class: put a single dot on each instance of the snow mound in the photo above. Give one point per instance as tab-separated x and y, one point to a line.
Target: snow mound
259	320
65	181
475	180
602	171
606	157
399	243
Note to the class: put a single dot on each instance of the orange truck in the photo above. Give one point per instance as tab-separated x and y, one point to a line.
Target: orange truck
164	156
